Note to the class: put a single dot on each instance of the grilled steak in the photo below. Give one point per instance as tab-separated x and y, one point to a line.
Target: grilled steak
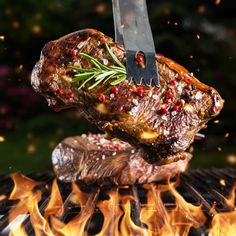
161	121
92	160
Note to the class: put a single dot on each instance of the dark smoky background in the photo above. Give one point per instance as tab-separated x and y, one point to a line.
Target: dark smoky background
199	34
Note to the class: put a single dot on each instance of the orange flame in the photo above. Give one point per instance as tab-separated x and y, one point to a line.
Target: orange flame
153	218
28	199
225	223
55	205
23	186
77	225
112	213
127	226
176	221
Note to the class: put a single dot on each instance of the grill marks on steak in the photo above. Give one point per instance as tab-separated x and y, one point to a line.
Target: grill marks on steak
93	160
161	121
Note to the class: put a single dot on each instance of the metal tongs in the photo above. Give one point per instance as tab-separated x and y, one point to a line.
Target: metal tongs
132	28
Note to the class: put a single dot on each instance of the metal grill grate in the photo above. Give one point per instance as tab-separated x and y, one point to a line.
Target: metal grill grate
201	186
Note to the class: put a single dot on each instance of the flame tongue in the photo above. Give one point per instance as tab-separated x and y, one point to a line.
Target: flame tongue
27	204
39	223
154	217
55	205
23	186
223	224
112	213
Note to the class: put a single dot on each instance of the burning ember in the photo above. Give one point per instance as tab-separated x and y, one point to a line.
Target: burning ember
152	209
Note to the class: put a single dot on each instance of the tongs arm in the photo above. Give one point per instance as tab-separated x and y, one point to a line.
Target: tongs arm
133	29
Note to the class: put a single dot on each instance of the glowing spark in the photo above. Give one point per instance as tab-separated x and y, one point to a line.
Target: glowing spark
15	24
231	159
222	182
216	121
101	8
51	144
36	29
2	37
191	56
198	36
226	135
31	149
217	2
219	149
201	9
2	139
2	197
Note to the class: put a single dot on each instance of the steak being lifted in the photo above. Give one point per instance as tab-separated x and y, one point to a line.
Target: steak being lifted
92	159
161	121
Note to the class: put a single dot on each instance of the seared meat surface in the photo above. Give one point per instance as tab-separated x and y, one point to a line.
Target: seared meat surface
160	121
93	160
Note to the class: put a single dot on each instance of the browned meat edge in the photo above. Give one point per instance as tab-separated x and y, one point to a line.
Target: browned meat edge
95	160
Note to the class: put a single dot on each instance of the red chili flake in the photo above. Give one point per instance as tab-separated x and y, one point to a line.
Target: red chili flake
73	53
168	101
139	58
60	92
139	91
102	97
173	82
169	94
117	146
177	106
96	137
163	111
69	95
114	90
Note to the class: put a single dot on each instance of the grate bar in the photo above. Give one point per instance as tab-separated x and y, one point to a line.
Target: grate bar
136	210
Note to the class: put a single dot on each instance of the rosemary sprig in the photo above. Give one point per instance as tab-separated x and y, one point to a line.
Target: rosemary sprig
100	73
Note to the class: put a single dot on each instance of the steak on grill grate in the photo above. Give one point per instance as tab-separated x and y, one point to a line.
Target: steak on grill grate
161	121
94	159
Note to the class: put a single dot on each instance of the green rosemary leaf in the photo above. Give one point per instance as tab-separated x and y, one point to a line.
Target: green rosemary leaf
118	69
86	81
95	84
97	63
104	75
100	73
78	69
109	77
122	78
83	76
81	70
113	56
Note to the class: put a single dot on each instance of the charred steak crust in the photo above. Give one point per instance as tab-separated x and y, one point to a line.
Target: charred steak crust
91	159
161	121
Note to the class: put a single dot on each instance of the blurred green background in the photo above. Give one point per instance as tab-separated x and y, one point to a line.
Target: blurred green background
199	34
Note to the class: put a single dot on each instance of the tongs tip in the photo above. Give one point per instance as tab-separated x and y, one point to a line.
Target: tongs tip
137	37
